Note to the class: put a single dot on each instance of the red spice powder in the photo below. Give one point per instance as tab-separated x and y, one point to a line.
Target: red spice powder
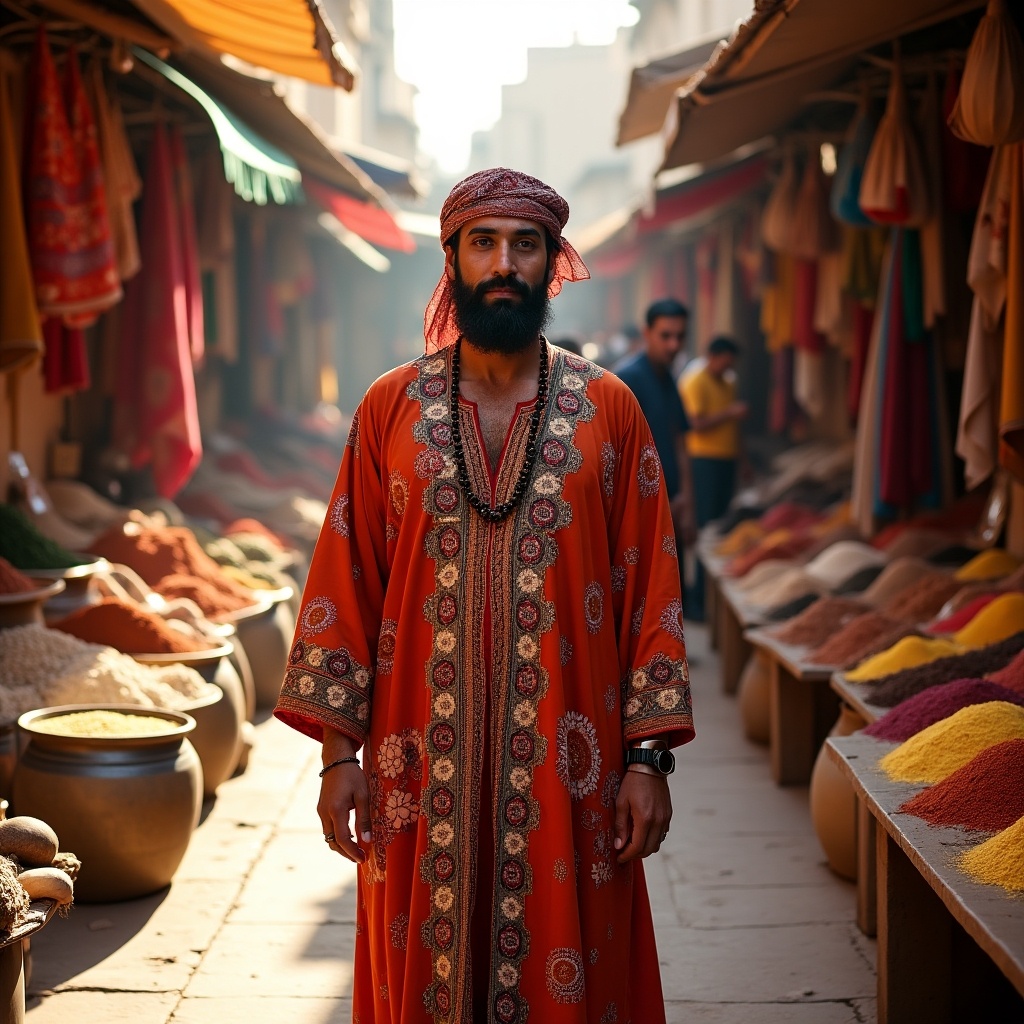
921	600
742	564
955	622
12	581
213	599
821	620
986	795
936	703
788	514
130	630
1012	675
859	638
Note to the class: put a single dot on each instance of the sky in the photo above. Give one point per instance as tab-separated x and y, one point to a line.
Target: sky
459	53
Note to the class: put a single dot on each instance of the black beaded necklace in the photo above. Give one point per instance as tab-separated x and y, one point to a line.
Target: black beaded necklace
497	513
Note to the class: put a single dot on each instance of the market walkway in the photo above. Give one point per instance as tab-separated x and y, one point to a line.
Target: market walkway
258	926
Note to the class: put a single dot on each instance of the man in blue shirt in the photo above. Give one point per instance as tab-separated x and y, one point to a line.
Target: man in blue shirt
648	374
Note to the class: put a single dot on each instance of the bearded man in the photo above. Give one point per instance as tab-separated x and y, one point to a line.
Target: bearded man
493	615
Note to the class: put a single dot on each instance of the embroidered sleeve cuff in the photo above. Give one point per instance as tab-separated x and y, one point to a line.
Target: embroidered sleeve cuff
656	702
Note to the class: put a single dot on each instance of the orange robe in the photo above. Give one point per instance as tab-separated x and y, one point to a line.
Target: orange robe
493	674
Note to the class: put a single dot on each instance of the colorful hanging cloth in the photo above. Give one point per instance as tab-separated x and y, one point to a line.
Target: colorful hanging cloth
157	417
844	200
21	339
66	208
189	248
1011	404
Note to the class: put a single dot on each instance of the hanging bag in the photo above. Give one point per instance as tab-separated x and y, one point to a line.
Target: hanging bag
779	209
894	189
990	107
845	198
814	233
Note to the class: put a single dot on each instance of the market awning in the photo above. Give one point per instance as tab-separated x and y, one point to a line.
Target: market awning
678	209
289	37
258	170
652	87
397	177
258	102
370	222
757	83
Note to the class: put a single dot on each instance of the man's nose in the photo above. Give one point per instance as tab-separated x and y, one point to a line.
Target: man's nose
503	262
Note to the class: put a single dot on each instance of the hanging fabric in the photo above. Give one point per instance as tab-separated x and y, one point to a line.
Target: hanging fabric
814	231
778	217
65	364
120	175
990	106
894	188
157	421
21	338
216	241
845	196
725	282
933	242
66	208
1011	404
964	164
189	248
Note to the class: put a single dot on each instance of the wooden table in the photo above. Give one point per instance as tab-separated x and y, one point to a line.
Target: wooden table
949	948
734	617
714	569
852	695
803	708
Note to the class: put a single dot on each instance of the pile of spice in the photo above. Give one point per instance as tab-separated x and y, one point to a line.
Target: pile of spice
842	558
999	860
859	581
783	548
914	543
793	583
1011	675
101	723
986	795
129	630
931	706
172	561
14	582
858	639
743	536
895	577
988	565
42	667
906	653
894	689
936	752
921	600
960	618
1000	619
820	621
767	572
26	548
787	611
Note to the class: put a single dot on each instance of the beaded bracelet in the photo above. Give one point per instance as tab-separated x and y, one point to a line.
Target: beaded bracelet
334	764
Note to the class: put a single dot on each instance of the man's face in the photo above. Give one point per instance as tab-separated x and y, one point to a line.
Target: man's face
499	274
721	363
665	339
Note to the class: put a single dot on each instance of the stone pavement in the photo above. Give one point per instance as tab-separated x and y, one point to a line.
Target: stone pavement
258	925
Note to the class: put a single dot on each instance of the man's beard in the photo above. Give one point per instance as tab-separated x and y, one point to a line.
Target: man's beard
505	326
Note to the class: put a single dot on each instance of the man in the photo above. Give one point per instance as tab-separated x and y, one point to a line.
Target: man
708	389
492	613
648	374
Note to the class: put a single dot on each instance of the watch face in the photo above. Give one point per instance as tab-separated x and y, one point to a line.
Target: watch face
664	761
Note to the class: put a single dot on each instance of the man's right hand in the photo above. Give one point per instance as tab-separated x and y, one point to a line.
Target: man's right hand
344	789
739	410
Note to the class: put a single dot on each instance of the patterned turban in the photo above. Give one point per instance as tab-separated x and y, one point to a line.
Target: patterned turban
499	192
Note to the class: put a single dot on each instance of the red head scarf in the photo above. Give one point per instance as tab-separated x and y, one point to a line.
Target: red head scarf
499	192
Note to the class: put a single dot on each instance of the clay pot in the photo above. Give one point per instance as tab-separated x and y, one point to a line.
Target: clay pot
754	698
219	717
79	586
26	607
266	634
834	803
127	805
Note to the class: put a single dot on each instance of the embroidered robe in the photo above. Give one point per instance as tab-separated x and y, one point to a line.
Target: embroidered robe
493	675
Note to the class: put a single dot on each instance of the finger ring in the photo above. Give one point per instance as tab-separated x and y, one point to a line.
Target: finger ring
329	837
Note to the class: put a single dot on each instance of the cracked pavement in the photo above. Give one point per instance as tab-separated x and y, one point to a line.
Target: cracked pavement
259	924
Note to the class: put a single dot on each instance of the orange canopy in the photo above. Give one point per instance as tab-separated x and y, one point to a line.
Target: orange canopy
291	37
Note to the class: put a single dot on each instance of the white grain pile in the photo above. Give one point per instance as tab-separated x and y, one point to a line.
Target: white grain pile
42	667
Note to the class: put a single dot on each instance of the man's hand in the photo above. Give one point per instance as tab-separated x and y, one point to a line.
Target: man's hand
643	811
344	789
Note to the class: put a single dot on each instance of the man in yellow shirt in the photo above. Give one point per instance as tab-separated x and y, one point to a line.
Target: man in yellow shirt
708	390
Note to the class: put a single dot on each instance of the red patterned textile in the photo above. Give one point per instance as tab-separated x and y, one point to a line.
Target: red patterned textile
499	192
72	252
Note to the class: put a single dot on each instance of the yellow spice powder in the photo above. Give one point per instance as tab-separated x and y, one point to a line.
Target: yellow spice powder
999	860
740	538
996	621
942	748
988	565
906	653
104	723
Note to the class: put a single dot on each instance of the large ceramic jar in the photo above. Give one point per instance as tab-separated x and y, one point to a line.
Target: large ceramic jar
265	632
127	805
219	717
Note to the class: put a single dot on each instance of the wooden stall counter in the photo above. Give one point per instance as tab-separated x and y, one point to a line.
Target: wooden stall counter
852	695
949	948
803	708
734	616
714	569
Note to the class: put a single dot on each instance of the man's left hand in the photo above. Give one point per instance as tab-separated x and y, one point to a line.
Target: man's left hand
643	811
